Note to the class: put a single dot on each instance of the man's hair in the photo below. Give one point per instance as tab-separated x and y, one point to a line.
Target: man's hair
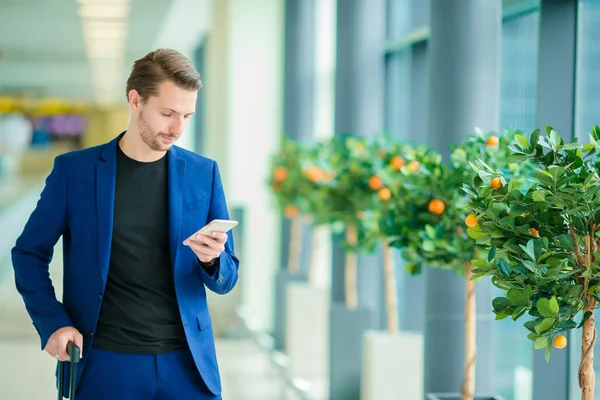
159	66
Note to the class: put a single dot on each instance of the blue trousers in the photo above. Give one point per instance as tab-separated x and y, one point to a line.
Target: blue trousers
117	376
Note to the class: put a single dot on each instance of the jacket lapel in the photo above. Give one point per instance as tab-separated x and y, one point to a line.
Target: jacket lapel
175	184
106	175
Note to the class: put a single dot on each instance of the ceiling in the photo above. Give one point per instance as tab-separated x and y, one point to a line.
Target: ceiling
42	49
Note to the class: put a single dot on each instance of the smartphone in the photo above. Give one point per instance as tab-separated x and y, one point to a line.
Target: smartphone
219	225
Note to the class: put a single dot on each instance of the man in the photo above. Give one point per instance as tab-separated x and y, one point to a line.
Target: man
134	295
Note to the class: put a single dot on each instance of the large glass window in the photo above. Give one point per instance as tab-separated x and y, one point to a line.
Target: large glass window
518	84
518	88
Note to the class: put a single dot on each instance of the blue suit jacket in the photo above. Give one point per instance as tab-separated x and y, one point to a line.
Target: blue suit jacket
77	203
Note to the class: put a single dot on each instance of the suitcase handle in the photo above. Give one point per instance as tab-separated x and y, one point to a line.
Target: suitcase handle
74	353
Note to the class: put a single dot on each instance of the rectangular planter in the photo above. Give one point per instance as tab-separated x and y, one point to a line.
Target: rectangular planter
307	330
392	366
282	279
346	341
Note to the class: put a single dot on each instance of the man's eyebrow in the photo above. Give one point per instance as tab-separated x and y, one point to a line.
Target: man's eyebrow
173	111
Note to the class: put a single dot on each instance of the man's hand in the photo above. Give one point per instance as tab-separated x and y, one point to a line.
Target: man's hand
207	248
57	344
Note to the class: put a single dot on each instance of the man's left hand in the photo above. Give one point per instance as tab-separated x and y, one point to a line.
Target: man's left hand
207	248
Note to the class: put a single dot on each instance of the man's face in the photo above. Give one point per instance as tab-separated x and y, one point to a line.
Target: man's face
163	118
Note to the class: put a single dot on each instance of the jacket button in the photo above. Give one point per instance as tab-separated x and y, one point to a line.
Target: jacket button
91	334
100	297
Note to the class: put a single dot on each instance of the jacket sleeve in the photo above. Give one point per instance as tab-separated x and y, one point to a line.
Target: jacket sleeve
225	274
33	252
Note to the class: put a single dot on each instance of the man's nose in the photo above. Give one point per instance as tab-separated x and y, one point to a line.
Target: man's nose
176	126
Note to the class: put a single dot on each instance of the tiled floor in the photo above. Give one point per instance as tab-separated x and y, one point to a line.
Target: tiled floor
27	373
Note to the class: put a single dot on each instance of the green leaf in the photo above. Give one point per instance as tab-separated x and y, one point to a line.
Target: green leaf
546	324
548	351
566	325
541	342
533	336
555	139
516	158
428	246
430	231
492	253
572	146
518	297
554	305
533	140
476	233
544	308
522	141
504	267
500	303
566	242
519	311
538	195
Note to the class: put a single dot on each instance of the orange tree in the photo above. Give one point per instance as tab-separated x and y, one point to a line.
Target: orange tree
544	242
433	232
288	181
391	208
345	193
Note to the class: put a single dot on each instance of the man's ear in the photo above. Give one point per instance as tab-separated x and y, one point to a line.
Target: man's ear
134	99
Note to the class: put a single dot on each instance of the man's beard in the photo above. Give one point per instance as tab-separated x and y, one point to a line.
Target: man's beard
151	138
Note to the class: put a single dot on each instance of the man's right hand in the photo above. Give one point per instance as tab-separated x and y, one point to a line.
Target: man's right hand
57	344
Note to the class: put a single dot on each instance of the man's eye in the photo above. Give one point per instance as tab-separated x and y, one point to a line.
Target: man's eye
166	115
186	117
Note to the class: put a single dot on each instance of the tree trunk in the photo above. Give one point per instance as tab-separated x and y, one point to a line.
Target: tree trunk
295	244
470	336
350	271
587	376
315	245
390	289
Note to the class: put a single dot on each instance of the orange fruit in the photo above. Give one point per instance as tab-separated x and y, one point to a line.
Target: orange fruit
496	183
414	166
471	220
560	342
375	182
292	211
385	194
534	232
315	174
280	174
437	206
397	163
493	141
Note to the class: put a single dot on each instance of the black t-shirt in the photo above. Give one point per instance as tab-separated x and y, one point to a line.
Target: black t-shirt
139	312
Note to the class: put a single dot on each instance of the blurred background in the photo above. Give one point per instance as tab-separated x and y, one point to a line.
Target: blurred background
306	69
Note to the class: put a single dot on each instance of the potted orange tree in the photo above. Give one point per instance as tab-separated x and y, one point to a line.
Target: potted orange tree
393	349
434	233
287	181
544	242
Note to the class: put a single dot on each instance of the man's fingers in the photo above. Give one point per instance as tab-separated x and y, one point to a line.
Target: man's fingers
202	249
79	342
62	348
220	237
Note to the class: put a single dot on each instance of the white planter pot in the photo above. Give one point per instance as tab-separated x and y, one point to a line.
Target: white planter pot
307	330
392	366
